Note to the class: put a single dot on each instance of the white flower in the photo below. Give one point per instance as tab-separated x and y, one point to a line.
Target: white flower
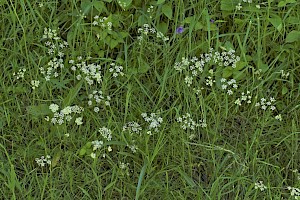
133	148
295	192
97	144
239	6
260	186
272	99
132	127
43	160
106	133
96	109
54	107
93	155
224	87
272	107
238	102
35	84
78	121
229	92
278	117
67	110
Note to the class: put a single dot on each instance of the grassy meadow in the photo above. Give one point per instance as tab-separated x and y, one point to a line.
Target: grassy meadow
154	99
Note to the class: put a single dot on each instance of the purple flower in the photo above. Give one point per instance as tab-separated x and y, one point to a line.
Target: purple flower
179	30
212	21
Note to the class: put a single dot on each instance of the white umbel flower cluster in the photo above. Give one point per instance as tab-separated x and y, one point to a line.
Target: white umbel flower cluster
195	66
132	127
97	144
103	22
59	117
246	97
56	46
146	30
105	133
96	98
264	104
154	121
116	70
230	85
186	122
44	160
35	84
20	74
260	185
295	192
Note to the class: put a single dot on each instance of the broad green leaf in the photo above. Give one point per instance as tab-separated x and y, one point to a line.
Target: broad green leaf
101	34
56	159
88	145
281	4
119	40
188	20
100	53
132	71
238	21
112	42
60	84
292	20
239	75
160	2
212	27
240	65
228	45
142	20
229	5
167	10
82	152
276	21
227	72
143	66
99	5
293	36
284	90
264	67
249	58
290	1
124	34
40	110
163	27
86	6
198	26
72	95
